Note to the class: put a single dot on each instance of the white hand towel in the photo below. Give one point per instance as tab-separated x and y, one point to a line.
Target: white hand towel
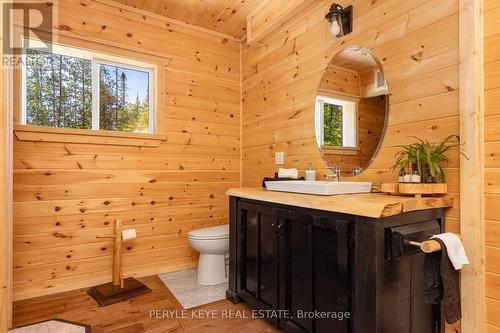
288	173
455	249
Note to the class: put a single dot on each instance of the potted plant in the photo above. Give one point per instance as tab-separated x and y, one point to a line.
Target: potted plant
406	159
428	158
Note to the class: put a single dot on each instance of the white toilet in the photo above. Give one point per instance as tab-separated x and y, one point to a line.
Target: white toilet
213	245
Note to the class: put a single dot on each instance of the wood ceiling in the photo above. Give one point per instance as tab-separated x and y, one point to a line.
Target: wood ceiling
224	16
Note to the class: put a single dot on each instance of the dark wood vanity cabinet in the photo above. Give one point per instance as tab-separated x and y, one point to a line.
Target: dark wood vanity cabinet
304	269
258	256
313	251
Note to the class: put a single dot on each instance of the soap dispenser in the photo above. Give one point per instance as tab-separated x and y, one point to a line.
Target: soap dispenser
310	173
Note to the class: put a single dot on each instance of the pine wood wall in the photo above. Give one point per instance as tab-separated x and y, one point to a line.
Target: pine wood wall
492	162
5	248
67	193
5	192
417	42
371	117
340	81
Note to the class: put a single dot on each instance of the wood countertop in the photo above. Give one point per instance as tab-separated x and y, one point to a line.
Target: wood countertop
374	205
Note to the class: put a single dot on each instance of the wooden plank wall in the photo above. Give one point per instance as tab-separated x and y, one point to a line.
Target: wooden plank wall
5	250
371	117
67	193
340	81
5	189
419	53
492	162
417	43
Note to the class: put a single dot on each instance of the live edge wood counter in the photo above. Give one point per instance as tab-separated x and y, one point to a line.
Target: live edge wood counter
375	205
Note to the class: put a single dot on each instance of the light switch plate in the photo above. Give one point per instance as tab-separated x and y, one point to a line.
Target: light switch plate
279	157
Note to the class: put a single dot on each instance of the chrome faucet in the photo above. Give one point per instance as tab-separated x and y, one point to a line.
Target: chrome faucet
335	176
356	170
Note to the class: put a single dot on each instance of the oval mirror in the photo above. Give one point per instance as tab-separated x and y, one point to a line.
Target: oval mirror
351	109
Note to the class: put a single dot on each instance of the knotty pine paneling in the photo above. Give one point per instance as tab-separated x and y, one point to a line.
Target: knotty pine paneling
417	44
492	164
371	119
219	15
340	81
66	194
280	81
5	193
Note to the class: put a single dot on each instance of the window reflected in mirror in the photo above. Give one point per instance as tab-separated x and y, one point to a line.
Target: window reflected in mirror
350	109
337	122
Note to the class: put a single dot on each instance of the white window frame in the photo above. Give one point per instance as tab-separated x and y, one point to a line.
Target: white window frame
349	120
97	59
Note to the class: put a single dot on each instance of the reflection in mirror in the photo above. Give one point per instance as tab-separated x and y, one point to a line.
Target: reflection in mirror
350	110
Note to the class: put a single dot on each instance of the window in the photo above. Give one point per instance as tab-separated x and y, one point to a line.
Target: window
74	88
335	122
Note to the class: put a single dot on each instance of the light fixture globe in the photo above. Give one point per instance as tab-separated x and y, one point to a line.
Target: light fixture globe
335	28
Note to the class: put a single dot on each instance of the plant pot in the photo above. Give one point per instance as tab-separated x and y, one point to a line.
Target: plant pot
427	177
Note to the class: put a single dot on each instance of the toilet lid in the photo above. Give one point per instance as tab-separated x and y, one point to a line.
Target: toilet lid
220	231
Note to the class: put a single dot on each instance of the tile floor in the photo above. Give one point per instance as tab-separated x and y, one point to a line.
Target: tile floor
188	292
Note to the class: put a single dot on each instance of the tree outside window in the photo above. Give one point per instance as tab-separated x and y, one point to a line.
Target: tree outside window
335	122
118	110
64	91
332	127
58	90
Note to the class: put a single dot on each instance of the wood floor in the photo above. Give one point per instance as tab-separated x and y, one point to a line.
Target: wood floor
134	316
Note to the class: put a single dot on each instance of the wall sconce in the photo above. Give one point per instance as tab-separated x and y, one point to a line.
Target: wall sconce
341	20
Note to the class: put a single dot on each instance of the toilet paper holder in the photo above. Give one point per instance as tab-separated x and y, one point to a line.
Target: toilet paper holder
119	289
119	236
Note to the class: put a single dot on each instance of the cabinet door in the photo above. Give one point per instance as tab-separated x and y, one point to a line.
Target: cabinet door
315	273
257	244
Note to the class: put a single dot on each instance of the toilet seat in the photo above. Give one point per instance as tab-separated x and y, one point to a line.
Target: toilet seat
210	233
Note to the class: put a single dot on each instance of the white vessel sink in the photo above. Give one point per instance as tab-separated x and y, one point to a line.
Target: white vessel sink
319	187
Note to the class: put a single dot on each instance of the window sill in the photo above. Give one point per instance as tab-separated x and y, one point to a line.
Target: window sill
329	150
73	135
